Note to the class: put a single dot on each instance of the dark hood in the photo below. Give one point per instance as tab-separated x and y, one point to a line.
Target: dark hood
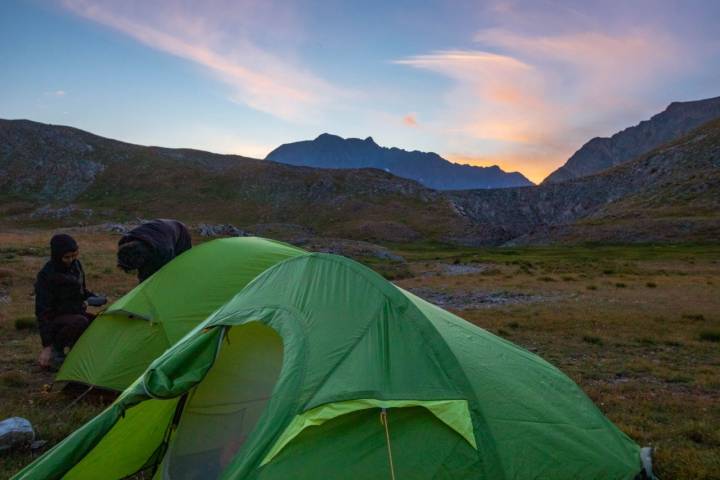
61	244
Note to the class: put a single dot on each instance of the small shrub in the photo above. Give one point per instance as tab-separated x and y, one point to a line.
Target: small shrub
620	285
608	271
694	316
6	275
696	436
592	340
25	323
591	287
491	272
568	278
646	341
503	333
651	285
710	336
546	279
679	379
514	325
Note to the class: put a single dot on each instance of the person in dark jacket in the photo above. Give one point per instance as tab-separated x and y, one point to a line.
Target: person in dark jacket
60	295
151	245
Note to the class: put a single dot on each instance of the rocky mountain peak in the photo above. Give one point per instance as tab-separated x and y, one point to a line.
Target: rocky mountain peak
428	168
599	154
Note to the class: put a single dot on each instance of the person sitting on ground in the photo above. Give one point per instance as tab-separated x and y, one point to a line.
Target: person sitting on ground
60	296
148	247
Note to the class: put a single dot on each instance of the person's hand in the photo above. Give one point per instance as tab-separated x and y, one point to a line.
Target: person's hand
45	356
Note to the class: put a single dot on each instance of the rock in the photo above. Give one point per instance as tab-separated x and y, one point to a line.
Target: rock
38	444
352	248
452	270
469	300
47	212
116	228
220	230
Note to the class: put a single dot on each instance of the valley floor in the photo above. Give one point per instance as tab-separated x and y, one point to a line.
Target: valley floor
637	327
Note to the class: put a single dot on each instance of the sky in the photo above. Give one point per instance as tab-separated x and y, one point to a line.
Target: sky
519	84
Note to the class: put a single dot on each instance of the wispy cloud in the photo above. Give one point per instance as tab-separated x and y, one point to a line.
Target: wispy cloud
256	77
536	98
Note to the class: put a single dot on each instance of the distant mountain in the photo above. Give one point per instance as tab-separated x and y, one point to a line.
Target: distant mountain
602	153
430	169
669	194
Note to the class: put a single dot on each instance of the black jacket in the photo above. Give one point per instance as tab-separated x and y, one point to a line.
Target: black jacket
59	290
166	238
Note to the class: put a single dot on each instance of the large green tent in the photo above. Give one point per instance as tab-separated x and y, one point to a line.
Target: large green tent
140	326
321	369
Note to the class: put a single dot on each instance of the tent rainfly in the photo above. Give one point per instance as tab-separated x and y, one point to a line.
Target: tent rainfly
320	368
135	330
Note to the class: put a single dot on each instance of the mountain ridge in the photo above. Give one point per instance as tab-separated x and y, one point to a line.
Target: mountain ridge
64	176
428	168
601	153
675	187
43	167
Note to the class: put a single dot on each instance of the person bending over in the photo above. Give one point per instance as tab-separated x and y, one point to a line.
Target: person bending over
148	247
60	301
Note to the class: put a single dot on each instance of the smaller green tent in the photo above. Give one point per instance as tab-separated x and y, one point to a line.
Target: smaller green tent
321	369
140	326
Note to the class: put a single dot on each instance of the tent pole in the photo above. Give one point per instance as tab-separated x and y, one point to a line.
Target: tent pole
384	421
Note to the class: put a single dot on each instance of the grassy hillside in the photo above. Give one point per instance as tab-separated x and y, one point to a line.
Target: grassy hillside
104	180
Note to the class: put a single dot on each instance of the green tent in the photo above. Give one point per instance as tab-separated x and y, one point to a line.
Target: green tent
321	369
139	327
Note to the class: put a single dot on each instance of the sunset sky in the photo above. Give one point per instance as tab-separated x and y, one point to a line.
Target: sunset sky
514	83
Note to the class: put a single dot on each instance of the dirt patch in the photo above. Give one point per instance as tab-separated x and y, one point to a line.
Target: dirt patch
459	269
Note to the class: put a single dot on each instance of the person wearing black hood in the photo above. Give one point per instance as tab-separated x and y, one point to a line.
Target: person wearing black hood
148	247
60	296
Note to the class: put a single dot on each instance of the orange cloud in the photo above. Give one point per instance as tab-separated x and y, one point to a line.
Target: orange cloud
534	167
257	78
541	97
410	120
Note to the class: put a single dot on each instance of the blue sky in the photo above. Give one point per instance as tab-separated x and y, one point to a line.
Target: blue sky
514	83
